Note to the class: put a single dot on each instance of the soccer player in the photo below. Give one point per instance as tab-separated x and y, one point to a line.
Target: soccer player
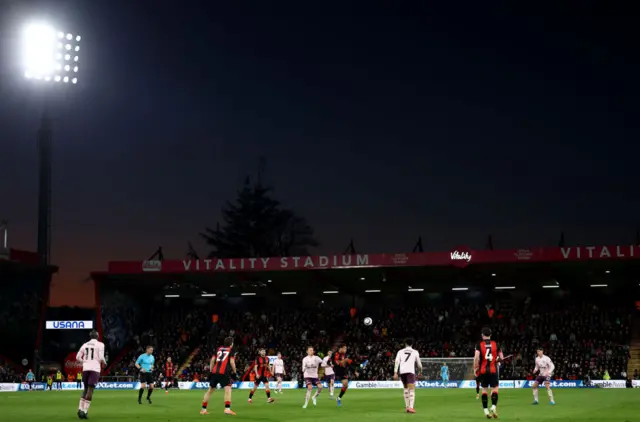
544	368
145	364
223	368
341	365
406	361
444	374
91	354
261	368
329	375
168	369
79	380
30	378
484	363
277	368
310	365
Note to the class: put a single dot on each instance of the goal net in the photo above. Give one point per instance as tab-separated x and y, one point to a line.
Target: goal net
460	369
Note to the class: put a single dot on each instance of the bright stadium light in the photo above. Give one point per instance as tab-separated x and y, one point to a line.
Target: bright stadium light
45	52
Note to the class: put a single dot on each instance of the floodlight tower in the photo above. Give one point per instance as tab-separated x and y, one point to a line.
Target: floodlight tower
51	59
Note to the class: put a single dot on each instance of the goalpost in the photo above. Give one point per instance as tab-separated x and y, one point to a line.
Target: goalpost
460	369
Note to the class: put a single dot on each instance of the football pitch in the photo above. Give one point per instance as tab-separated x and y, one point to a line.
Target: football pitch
610	405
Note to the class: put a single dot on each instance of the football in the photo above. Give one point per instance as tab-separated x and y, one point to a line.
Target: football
368	321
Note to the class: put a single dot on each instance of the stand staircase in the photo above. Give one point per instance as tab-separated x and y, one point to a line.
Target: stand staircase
634	349
188	360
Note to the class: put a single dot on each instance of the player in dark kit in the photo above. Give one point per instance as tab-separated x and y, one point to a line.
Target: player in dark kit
223	369
168	369
485	363
261	368
341	367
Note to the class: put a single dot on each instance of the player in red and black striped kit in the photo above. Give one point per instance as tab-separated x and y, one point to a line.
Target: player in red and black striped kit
261	368
223	369
341	367
485	363
168	375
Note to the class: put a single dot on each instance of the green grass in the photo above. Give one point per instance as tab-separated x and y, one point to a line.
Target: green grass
614	405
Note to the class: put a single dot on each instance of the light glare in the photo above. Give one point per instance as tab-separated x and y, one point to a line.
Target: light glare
68	46
39	49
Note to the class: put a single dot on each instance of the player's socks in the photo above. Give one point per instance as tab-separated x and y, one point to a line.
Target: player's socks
250	395
149	391
307	397
81	405
227	405
406	398
140	393
494	399
485	401
550	393
204	405
342	391
268	392
412	397
535	395
331	390
87	405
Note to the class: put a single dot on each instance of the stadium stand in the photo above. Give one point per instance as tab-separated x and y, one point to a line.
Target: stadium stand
25	292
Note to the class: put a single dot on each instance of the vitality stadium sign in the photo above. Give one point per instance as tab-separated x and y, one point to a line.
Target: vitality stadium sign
459	257
69	325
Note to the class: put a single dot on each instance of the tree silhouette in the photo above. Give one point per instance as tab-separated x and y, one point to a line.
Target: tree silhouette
257	225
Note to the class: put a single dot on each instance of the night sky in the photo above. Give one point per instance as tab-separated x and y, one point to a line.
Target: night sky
377	123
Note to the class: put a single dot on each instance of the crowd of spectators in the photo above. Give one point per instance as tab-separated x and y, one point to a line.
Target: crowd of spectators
582	338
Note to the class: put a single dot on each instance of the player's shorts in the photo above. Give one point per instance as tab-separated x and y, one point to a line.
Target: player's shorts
278	375
407	378
330	377
341	375
222	379
541	380
90	378
146	377
311	381
264	380
445	379
488	380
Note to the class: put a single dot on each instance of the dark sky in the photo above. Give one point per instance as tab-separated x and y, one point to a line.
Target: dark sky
379	123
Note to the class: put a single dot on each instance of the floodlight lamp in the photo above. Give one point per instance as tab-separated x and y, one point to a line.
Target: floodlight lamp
75	69
78	38
57	78
77	48
67	68
75	59
68	46
66	79
69	36
39	49
47	78
67	57
60	45
74	80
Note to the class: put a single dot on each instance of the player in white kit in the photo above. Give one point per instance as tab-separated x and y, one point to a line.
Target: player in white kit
310	365
407	360
277	368
329	375
544	368
91	354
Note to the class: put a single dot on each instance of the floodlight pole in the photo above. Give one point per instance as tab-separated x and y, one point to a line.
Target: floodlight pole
45	137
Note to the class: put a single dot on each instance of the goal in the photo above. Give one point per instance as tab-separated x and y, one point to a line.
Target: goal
460	369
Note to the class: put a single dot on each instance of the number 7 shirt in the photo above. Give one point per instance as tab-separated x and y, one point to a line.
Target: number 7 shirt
406	361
